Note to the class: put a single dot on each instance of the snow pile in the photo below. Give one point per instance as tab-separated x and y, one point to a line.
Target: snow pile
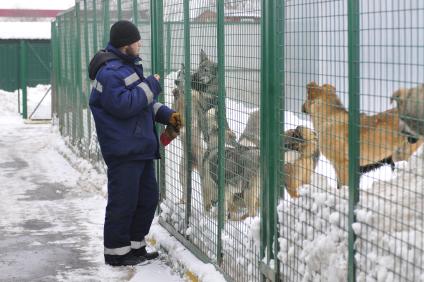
181	259
9	102
313	228
390	226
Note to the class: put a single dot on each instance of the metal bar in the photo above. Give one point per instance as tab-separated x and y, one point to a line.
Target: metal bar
135	12
168	47
95	46
106	22
72	86
59	94
87	79
188	106
119	3
39	103
78	71
263	137
157	67
270	138
54	73
221	122
279	122
24	76
354	142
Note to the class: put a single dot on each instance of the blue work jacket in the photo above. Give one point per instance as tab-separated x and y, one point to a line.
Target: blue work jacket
124	107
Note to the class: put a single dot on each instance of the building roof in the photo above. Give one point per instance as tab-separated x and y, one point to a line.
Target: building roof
25	13
25	30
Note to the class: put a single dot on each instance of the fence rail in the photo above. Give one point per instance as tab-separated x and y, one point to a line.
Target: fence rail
294	163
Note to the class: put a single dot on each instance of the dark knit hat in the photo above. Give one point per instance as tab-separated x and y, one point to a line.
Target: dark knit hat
123	33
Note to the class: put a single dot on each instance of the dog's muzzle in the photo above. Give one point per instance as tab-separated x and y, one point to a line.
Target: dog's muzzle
304	109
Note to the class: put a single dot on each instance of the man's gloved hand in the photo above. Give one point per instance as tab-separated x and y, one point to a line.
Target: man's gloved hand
176	121
169	134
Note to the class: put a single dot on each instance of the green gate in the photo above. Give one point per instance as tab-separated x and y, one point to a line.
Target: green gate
38	56
293	94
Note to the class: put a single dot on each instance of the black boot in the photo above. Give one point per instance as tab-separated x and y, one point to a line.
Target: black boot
142	253
127	259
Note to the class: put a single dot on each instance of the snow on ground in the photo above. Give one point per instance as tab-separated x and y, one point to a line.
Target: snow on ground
390	243
52	204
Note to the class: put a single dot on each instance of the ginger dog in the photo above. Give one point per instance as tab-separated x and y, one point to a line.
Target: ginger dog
299	171
380	135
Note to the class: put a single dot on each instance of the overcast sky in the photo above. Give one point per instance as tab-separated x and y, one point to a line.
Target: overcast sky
37	4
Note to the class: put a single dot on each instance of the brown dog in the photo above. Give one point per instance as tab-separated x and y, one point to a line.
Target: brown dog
299	171
380	136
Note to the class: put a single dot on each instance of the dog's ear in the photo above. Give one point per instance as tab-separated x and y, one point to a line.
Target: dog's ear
298	133
328	89
399	95
313	89
203	56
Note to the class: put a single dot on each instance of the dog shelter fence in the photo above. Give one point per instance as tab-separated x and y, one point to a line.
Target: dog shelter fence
266	53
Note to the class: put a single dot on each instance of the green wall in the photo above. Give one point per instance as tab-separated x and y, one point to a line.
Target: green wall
38	58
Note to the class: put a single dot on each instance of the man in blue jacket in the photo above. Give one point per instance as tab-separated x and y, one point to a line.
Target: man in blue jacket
125	107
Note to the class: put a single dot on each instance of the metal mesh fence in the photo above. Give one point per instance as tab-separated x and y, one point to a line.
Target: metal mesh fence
300	158
343	62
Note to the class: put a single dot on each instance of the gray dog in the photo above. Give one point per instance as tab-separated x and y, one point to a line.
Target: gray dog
410	103
241	172
204	95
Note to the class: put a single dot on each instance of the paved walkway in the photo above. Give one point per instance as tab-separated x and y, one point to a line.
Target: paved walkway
51	218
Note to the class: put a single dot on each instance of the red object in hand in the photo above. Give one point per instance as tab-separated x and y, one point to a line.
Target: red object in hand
164	139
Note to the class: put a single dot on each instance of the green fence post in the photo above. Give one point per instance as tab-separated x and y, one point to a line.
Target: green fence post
54	69
168	47
24	76
158	67
279	122
135	11
106	22
221	121
72	86
59	95
78	71
119	4
187	95
95	46
87	79
270	138
354	142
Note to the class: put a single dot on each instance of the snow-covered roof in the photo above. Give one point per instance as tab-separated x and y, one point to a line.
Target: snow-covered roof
37	4
25	30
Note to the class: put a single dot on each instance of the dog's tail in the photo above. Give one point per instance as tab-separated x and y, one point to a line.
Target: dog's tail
369	167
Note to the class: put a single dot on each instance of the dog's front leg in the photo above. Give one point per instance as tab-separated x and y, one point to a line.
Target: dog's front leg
342	174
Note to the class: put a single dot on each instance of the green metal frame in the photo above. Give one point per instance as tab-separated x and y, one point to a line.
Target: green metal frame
354	142
23	77
221	122
188	111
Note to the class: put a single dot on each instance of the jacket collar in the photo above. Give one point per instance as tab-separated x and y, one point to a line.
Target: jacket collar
136	60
